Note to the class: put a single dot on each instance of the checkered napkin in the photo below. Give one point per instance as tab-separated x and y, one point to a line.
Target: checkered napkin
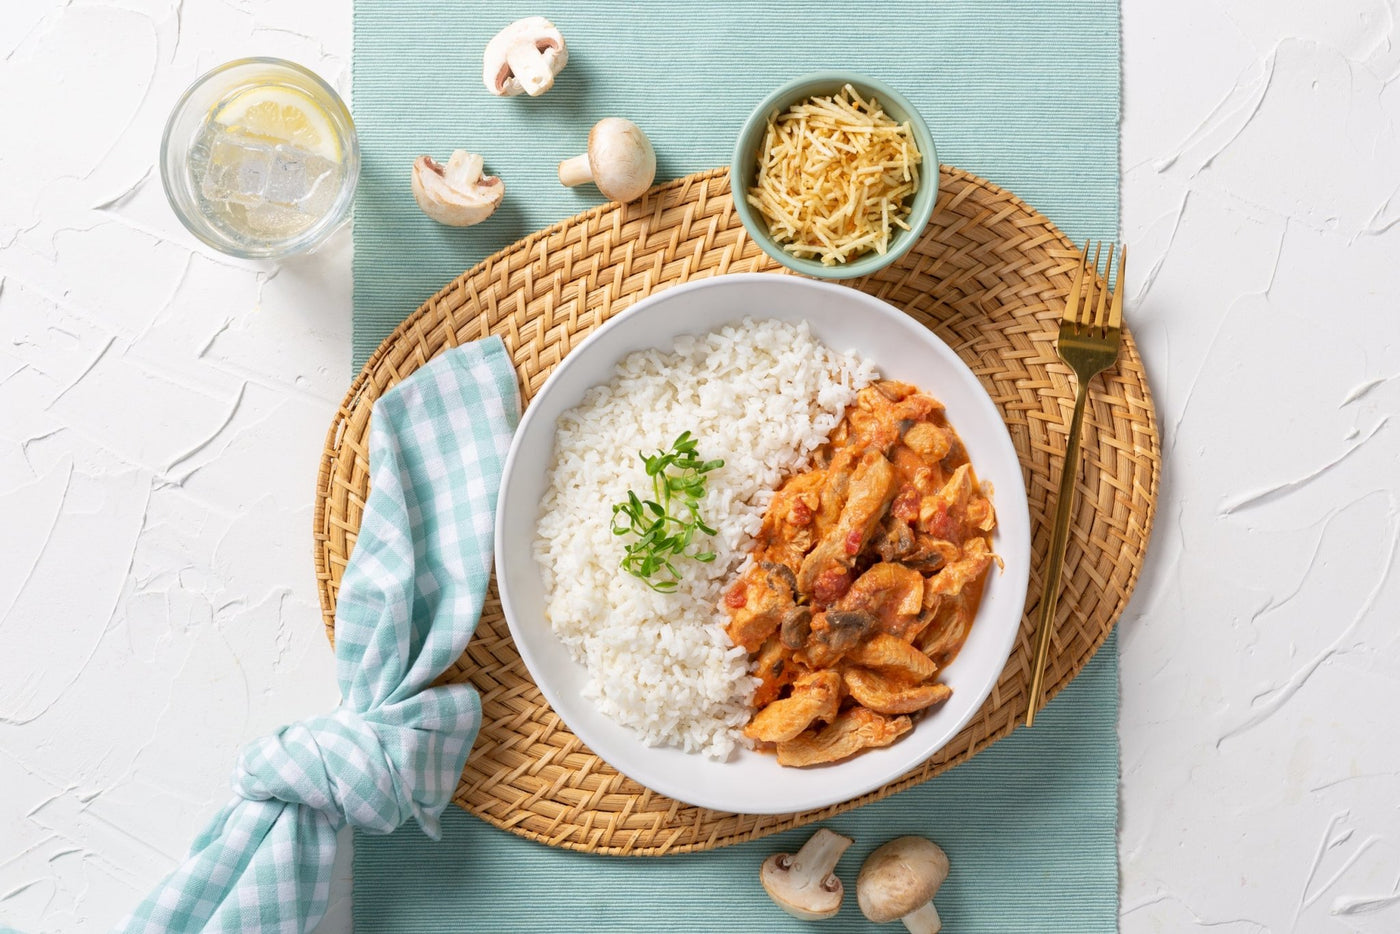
409	601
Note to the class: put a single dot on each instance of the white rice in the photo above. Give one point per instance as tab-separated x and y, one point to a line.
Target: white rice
761	395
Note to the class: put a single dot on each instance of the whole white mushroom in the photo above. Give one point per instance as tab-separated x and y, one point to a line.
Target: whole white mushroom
620	161
898	882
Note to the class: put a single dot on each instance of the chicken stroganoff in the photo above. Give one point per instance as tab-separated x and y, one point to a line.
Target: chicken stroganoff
864	581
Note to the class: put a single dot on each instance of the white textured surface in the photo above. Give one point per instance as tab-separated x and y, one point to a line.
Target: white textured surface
162	408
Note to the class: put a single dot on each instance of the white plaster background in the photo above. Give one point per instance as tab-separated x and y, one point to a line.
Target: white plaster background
162	409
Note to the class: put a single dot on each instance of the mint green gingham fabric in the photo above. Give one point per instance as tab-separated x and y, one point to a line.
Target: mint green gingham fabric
409	601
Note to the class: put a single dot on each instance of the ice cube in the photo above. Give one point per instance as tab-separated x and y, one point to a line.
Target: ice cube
325	178
287	184
277	221
238	169
302	180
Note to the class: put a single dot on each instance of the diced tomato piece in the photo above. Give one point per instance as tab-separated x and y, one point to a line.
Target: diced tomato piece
940	524
831	585
906	504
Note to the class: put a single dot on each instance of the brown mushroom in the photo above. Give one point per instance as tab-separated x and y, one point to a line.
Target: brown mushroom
898	882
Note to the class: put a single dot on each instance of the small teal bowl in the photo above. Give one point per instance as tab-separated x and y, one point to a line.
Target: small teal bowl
743	170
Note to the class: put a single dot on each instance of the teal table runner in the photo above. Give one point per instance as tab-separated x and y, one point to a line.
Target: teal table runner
1025	94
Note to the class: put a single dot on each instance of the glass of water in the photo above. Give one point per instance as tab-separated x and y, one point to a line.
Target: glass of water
260	158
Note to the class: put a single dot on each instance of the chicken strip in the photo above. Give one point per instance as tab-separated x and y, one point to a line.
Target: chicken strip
892	593
815	696
893	654
774	669
955	576
825	572
789	529
848	734
757	603
941	514
885	694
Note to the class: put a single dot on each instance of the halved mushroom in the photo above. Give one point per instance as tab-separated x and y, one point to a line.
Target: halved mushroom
524	58
803	884
457	194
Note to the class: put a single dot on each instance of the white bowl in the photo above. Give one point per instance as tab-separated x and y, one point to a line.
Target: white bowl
845	319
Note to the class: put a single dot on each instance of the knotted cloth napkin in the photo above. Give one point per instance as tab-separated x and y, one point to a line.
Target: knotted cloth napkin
409	601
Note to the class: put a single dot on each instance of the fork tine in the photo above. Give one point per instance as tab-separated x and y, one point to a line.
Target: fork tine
1101	313
1071	314
1091	282
1115	317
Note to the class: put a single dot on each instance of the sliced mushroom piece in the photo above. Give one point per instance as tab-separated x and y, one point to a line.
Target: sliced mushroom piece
884	694
456	194
524	58
898	883
896	538
619	160
891	653
780	574
796	627
804	884
836	632
930	554
815	696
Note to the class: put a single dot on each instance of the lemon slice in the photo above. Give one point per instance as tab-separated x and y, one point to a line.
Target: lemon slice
284	115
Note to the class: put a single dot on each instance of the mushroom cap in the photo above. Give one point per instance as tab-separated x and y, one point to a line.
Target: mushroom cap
533	37
457	194
621	159
900	877
807	897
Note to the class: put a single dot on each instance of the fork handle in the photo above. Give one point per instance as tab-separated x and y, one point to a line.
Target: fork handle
1059	535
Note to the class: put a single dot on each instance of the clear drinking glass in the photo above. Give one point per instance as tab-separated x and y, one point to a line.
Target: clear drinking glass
260	158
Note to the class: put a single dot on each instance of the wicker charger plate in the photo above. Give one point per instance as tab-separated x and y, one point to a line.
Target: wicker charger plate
988	276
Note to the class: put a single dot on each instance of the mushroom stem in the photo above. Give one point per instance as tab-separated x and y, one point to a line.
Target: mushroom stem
575	171
819	855
923	920
530	69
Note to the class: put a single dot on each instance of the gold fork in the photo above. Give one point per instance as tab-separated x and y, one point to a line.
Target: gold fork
1089	344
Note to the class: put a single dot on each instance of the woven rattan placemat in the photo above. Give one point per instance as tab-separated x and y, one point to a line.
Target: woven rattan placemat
988	276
